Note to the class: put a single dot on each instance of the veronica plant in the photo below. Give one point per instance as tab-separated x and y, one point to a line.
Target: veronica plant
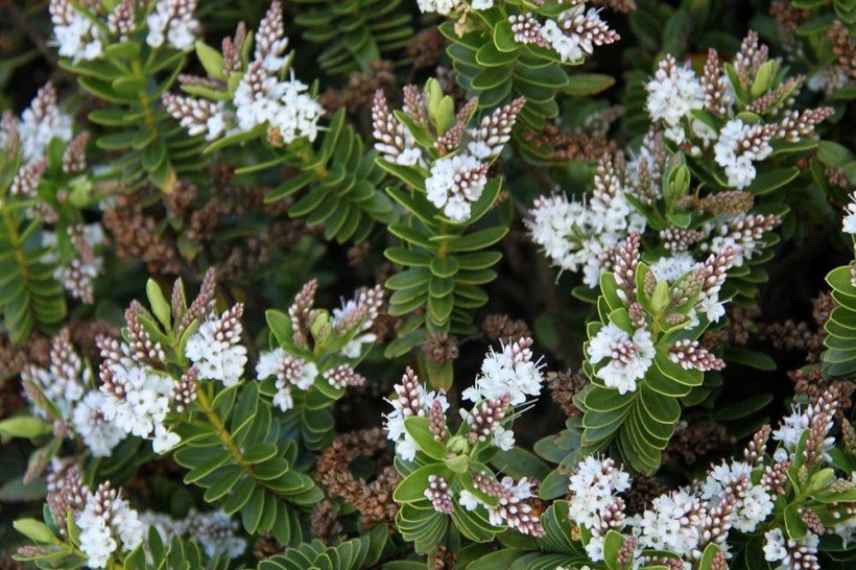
817	38
258	100
46	243
445	165
762	507
355	35
734	118
446	477
643	355
314	357
127	55
508	49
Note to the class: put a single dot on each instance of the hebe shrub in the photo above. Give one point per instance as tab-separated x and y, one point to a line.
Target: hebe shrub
445	284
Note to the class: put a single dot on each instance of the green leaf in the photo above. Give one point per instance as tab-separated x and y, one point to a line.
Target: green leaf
772	180
744	408
412	488
477	240
585	84
158	303
24	426
211	60
418	428
611	547
503	37
35	530
280	325
708	557
794	524
750	358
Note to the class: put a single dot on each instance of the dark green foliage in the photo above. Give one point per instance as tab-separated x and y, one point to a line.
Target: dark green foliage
354	33
339	183
236	451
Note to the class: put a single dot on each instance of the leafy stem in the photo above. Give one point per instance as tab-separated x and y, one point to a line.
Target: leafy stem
205	403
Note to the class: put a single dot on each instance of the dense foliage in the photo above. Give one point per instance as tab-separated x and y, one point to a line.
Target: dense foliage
470	284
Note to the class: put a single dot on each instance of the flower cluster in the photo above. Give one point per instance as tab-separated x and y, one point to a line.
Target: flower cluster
512	373
137	397
78	274
573	34
516	506
76	35
595	505
64	388
622	350
289	371
460	156
106	522
40	123
339	342
719	111
629	356
173	22
83	35
582	236
734	497
412	399
216	350
215	531
252	97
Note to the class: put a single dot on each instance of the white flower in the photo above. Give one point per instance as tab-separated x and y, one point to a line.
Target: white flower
581	237
671	523
793	554
791	428
712	307
443	7
630	357
42	122
593	488
468	500
455	183
594	548
774	545
76	35
99	434
298	113
64	381
849	222
145	400
215	348
289	371
405	446
359	312
164	440
752	508
95	540
503	438
846	531
511	373
673	93
567	46
261	97
672	268
105	521
732	153
576	32
482	4
173	21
